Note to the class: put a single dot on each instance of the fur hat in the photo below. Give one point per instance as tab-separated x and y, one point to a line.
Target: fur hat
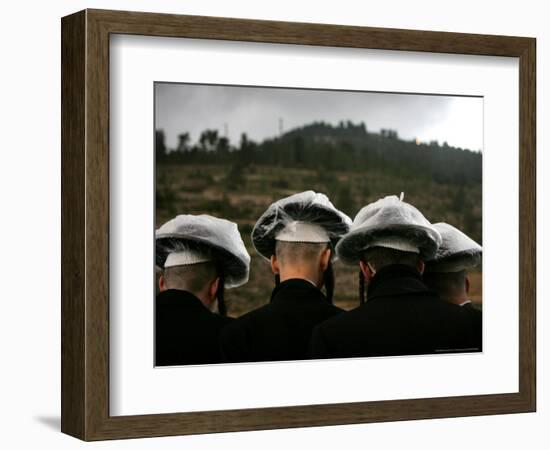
193	239
391	223
457	251
304	217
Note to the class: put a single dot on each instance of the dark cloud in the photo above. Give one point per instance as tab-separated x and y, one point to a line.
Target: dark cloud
257	111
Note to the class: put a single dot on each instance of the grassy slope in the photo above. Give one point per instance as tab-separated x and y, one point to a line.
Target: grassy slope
244	197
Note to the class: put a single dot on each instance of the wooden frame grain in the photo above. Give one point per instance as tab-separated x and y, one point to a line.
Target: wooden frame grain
85	224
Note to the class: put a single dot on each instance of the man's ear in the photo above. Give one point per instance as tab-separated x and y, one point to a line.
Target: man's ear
213	289
467	284
366	270
421	266
162	284
325	258
274	264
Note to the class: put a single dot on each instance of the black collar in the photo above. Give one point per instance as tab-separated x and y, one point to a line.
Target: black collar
396	280
297	289
180	299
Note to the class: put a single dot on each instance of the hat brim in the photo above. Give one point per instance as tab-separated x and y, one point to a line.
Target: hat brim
351	247
236	270
463	260
330	220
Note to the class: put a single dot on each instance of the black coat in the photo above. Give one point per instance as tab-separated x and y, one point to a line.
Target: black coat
400	317
186	332
476	320
280	330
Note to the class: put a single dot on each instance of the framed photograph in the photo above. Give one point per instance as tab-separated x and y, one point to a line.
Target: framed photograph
268	224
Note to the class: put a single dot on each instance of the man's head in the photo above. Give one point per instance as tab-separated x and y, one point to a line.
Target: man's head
200	279
384	233
304	260
191	239
446	272
452	287
191	267
376	258
389	223
303	218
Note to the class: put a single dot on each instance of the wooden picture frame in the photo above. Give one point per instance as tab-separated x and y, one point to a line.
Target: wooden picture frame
85	224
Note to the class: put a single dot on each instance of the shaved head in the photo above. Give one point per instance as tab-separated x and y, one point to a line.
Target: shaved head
448	285
303	260
193	278
380	257
298	253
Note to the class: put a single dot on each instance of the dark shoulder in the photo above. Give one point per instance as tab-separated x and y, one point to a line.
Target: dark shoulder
209	320
451	308
473	308
341	318
334	310
248	318
255	314
224	320
206	316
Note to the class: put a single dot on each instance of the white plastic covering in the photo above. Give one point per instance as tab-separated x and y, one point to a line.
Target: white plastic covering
305	207
457	251
297	231
389	222
209	235
186	257
396	243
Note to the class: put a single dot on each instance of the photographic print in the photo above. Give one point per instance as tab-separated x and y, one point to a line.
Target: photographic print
228	220
298	224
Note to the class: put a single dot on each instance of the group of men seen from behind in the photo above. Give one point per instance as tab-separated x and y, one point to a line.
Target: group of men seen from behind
413	285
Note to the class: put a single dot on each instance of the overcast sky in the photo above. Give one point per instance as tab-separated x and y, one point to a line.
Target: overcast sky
257	112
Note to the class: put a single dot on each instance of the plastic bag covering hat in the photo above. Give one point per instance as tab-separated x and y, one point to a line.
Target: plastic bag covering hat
218	238
186	256
457	251
297	231
286	218
392	223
